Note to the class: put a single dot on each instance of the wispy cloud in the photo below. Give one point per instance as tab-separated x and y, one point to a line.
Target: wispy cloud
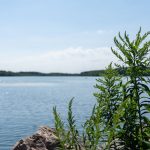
104	32
67	60
100	31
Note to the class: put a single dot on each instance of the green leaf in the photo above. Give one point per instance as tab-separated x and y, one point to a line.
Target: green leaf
146	145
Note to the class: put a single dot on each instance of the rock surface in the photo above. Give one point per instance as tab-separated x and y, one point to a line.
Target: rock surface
43	139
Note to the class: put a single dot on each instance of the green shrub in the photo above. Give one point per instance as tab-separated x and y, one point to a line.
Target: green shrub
119	119
134	56
69	137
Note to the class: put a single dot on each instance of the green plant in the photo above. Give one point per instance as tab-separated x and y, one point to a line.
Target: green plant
108	95
100	125
73	134
59	128
69	137
119	119
93	130
133	55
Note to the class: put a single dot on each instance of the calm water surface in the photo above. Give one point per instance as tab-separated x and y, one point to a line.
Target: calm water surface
26	103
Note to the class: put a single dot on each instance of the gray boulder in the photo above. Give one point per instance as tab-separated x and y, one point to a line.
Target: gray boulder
43	139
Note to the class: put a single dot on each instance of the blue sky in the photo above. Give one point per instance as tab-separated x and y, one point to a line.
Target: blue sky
65	35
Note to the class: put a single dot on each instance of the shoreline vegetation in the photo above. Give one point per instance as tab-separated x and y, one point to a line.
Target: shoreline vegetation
119	119
86	73
34	73
121	71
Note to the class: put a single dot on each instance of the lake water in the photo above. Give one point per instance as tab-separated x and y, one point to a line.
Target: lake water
26	103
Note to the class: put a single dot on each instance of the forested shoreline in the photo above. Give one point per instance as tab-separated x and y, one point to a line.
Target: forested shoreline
121	71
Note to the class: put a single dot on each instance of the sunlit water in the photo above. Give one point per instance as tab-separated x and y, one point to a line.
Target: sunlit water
26	103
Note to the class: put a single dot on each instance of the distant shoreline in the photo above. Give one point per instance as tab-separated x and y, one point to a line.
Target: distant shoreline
92	73
29	74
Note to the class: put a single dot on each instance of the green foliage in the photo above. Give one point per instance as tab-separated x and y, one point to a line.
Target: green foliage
73	135
59	127
69	138
133	55
93	130
109	99
119	119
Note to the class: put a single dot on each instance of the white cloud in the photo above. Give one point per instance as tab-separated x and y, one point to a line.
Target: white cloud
104	32
67	60
100	31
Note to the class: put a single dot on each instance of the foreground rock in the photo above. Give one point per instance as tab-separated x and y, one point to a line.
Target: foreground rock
43	139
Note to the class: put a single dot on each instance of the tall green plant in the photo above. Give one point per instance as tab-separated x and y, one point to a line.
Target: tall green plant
69	137
93	130
119	119
109	99
108	95
134	56
73	134
59	127
100	124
